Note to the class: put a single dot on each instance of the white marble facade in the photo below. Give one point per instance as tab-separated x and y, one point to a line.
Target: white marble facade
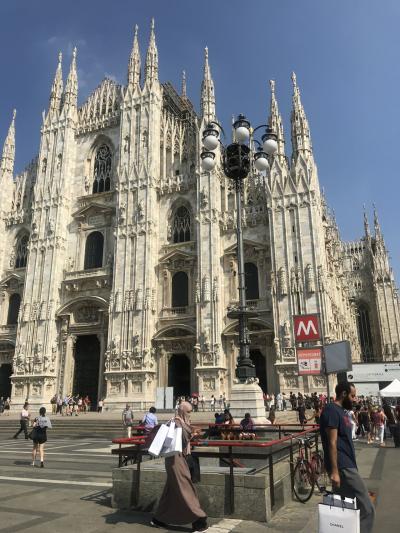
117	253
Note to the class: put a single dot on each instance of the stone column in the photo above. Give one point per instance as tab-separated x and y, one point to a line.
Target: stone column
69	364
101	386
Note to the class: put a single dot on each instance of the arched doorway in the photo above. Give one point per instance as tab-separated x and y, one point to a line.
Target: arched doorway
261	368
5	381
179	374
87	367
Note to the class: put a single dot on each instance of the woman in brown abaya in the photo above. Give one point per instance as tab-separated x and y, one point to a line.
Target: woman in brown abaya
179	503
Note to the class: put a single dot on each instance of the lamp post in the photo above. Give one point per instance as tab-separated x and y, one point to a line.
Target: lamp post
238	159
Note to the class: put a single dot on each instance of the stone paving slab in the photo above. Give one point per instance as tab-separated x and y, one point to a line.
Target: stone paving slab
32	507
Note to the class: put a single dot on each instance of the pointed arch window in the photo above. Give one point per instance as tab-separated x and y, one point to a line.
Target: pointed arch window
94	250
21	258
251	278
180	289
13	309
181	227
102	169
364	331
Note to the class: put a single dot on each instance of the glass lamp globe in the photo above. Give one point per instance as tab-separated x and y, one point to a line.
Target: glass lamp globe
261	161
242	134
270	146
242	129
210	138
207	160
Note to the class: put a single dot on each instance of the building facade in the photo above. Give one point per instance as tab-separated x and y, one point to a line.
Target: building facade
118	253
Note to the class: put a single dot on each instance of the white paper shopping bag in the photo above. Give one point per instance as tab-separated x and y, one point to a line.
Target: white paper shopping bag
176	445
158	441
333	519
170	435
337	501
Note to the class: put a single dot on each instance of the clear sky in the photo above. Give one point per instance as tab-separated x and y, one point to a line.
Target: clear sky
346	54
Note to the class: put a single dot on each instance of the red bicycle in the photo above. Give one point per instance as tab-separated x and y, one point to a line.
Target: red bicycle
308	473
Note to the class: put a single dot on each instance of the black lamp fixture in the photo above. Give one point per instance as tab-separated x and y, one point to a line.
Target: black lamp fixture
238	159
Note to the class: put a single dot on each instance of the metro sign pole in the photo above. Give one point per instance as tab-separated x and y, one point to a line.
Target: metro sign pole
307	329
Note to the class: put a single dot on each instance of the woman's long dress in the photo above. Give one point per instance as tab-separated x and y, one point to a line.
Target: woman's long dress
179	503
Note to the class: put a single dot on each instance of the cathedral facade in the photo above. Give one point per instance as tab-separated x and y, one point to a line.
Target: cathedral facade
118	252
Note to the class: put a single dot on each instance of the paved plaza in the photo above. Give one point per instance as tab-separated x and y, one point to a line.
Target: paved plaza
73	491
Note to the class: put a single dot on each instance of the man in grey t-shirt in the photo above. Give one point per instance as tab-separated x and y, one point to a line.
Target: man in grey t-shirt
127	419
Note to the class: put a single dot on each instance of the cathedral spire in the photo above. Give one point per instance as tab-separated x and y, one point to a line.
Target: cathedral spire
377	226
134	66
183	91
301	139
366	224
56	89
71	88
275	121
151	66
207	91
8	155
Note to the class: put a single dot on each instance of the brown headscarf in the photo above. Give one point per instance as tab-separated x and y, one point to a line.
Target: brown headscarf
183	416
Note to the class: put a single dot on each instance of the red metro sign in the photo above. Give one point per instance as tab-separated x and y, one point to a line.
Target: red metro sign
306	328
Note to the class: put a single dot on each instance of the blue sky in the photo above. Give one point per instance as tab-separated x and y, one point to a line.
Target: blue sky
346	54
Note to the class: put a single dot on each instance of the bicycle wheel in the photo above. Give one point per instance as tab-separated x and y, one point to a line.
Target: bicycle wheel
303	481
320	474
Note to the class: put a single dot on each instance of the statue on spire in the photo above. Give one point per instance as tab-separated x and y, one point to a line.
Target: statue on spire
8	154
71	88
183	91
301	139
366	223
275	121
56	90
134	67
377	226
151	66
207	91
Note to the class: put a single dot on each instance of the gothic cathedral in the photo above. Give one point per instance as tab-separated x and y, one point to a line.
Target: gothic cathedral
118	253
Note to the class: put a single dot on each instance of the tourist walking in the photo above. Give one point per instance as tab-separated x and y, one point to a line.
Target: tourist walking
339	454
202	402
53	402
100	406
7	405
221	401
301	411
179	503
127	420
23	421
212	402
39	436
379	421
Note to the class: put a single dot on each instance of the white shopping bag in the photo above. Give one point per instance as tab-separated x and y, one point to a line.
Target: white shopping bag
176	445
158	441
170	435
333	519
337	501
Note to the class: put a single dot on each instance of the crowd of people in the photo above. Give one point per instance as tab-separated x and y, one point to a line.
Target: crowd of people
5	405
200	403
73	405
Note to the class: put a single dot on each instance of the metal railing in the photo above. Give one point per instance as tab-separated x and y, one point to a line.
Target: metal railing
168	312
273	451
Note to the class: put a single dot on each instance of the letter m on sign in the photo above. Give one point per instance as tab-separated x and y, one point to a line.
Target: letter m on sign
306	328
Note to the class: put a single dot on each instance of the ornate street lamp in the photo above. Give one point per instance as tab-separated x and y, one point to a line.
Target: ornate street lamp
238	159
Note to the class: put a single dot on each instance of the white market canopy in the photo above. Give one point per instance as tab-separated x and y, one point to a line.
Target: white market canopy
391	390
